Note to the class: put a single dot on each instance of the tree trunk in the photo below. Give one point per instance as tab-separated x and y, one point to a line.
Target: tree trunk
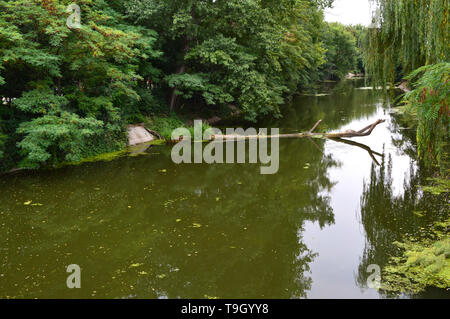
181	69
173	95
348	134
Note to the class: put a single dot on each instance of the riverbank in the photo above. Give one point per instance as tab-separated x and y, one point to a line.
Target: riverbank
159	126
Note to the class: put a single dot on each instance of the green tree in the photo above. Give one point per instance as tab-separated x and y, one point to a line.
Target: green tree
413	35
68	93
65	87
247	53
360	33
429	100
341	55
407	35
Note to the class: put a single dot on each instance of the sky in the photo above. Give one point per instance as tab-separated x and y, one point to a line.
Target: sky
349	12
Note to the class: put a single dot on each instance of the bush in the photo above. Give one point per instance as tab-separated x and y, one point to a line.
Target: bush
63	138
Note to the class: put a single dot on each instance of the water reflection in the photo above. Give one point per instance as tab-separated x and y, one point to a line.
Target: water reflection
371	153
387	217
143	227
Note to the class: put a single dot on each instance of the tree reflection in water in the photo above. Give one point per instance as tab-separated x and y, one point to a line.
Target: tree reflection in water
387	218
144	227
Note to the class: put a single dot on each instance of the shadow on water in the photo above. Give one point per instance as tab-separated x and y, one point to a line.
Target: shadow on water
143	227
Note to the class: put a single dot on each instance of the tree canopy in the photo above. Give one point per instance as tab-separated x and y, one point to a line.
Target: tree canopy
407	35
247	53
63	88
342	52
68	93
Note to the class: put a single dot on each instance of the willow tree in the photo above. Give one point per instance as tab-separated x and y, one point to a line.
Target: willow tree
411	37
407	35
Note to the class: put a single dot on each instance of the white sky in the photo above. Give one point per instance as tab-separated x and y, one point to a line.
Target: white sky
350	12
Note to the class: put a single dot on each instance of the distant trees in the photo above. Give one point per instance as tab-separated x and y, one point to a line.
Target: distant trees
361	35
341	55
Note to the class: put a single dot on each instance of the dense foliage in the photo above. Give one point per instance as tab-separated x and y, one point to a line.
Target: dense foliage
361	35
342	52
68	93
245	53
63	88
413	36
407	35
430	100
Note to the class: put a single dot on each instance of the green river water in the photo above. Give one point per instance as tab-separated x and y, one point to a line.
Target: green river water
144	227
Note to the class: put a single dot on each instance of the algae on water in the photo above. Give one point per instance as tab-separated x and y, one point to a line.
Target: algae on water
423	263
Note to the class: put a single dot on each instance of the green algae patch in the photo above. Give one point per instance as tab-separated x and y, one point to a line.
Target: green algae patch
439	186
423	263
131	151
104	157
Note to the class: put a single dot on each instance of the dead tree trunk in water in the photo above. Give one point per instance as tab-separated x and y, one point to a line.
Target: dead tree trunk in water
337	137
347	134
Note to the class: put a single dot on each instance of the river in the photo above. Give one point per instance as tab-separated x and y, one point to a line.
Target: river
144	227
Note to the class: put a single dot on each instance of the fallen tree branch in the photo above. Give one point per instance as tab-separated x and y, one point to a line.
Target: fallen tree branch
315	126
347	134
154	133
